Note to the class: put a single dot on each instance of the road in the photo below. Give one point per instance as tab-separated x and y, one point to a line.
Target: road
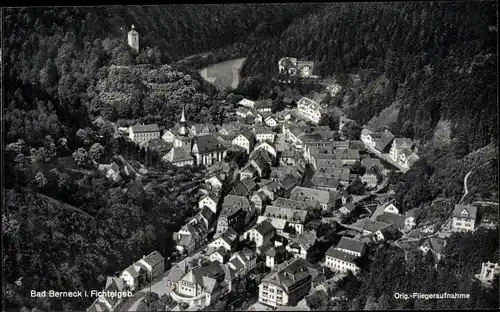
466	191
136	304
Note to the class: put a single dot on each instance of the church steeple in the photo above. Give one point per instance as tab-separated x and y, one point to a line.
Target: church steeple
133	39
182	129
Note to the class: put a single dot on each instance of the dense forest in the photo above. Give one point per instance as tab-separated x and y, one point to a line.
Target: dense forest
64	67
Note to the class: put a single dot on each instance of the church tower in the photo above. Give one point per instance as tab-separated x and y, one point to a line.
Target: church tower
133	39
182	139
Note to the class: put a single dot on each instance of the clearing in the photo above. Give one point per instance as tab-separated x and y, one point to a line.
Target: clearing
225	74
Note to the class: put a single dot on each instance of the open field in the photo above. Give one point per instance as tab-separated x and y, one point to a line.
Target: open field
225	74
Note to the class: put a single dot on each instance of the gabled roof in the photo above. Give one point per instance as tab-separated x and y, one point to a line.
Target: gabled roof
247	135
287	214
263	130
177	271
470	209
264	104
134	270
351	244
300	193
337	254
153	258
264	228
340	173
249	184
384	140
208	143
325	182
374	226
391	218
177	154
240	201
371	162
289	274
305	204
289	181
145	128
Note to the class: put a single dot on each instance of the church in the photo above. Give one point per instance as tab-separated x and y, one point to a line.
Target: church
201	149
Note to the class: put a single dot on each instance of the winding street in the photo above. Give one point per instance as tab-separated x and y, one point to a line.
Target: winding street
466	191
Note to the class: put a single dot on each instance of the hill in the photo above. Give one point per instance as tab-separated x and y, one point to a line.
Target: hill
225	75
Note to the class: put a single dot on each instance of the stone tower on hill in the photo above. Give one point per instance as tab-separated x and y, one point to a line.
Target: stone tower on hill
133	39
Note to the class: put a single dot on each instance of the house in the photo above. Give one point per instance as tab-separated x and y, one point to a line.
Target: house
348	156
289	283
209	200
343	257
260	233
179	157
190	237
262	167
264	105
177	271
407	158
109	303
202	128
399	144
244	112
489	272
370	138
206	218
464	218
370	178
141	133
371	162
246	140
288	157
207	149
275	256
345	197
246	103
154	263
324	197
294	218
270	121
309	109
216	181
288	183
112	171
201	286
243	262
325	183
235	211
220	255
289	102
244	187
384	143
347	209
342	174
269	147
302	204
132	276
402	223
226	240
272	189
351	246
248	172
169	134
390	208
259	200
264	134
371	227
434	245
229	129
300	246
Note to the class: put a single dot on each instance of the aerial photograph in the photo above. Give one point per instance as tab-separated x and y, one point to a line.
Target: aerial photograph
250	157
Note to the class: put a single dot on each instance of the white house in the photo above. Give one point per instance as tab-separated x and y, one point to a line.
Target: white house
390	208
141	133
215	181
309	109
397	146
489	271
464	218
210	200
245	140
246	103
264	134
270	121
343	257
260	233
131	276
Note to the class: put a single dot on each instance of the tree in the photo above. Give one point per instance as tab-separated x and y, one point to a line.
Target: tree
40	179
330	121
352	130
81	157
96	152
357	187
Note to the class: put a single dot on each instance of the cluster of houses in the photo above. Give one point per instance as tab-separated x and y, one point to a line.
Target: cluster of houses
140	273
401	152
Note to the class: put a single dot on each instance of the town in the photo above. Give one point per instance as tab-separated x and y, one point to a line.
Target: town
303	208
